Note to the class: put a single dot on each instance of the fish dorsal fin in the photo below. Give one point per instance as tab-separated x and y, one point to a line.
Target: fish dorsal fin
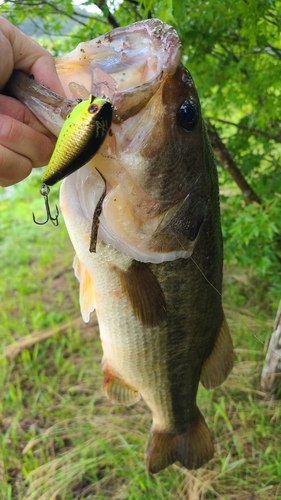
86	292
219	363
147	299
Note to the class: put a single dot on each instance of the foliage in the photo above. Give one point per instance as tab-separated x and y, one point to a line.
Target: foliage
252	235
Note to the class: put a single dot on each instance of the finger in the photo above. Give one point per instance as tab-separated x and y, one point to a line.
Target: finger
22	148
15	109
21	52
25	141
13	167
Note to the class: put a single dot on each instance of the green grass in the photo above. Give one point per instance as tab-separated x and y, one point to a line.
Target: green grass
61	439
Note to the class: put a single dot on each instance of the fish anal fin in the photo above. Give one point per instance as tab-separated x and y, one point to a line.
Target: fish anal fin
219	363
192	449
118	391
86	290
147	299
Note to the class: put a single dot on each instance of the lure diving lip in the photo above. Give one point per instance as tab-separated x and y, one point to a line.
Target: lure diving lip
80	138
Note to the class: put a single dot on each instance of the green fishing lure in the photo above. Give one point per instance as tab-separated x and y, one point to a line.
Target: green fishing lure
80	138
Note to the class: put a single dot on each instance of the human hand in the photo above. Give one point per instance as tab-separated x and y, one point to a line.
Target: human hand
24	142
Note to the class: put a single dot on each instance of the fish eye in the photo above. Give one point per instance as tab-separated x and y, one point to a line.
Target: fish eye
188	115
93	108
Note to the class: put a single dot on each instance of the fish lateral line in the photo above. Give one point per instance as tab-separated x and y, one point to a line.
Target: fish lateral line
220	294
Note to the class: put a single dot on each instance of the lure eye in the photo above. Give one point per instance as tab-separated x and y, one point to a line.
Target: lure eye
93	108
188	115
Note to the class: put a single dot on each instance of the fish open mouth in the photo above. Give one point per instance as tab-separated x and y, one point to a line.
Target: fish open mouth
125	65
128	66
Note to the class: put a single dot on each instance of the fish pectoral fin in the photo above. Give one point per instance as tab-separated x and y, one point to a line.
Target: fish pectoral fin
145	294
118	391
86	290
219	363
192	449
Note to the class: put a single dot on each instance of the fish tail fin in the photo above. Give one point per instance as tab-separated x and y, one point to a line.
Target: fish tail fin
192	449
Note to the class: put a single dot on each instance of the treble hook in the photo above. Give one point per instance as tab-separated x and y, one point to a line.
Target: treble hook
45	190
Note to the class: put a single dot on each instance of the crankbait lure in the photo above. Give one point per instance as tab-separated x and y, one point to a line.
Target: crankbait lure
80	138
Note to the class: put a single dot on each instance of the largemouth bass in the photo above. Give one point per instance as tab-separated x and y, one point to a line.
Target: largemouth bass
156	277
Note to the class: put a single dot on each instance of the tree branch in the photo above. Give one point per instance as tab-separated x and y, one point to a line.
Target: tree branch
61	12
51	35
102	5
228	163
255	131
98	19
270	20
270	50
134	4
54	7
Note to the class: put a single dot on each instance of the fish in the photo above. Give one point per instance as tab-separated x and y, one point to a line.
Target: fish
155	279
